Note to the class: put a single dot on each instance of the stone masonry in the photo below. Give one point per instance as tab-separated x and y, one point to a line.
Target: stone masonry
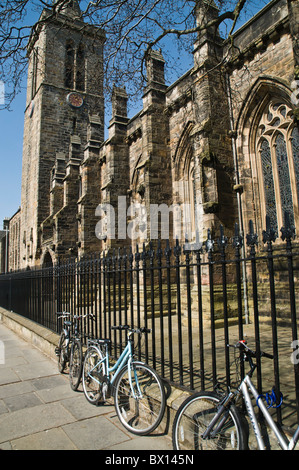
202	142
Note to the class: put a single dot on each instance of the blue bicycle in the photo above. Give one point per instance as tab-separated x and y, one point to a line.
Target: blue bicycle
138	391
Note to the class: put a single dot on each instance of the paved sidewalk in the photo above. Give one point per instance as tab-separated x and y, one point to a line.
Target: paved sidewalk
39	410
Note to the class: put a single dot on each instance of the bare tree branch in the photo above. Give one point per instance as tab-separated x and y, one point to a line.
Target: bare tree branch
132	28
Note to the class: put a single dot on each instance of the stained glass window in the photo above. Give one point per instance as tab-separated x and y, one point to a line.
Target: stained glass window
278	147
268	182
295	151
284	177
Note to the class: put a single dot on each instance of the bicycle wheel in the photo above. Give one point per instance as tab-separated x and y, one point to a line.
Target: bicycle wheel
93	375
76	362
62	352
192	419
142	414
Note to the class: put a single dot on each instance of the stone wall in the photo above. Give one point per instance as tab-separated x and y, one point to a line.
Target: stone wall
55	136
261	67
191	143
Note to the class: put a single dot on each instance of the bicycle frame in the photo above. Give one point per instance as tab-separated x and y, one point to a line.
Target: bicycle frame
247	385
67	325
67	328
126	357
67	331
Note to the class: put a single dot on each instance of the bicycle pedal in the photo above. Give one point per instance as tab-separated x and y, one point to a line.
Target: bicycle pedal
57	351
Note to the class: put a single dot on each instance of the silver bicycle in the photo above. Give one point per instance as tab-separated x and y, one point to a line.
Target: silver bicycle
208	421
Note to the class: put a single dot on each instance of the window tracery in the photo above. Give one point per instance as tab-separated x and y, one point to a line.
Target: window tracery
277	145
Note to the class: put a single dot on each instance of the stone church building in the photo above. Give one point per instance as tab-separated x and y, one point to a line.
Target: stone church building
218	146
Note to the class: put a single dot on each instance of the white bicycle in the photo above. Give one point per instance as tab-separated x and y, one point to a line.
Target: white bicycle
207	421
138	391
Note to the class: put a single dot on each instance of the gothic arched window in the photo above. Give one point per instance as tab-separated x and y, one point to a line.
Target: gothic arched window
69	65
189	201
75	66
34	72
295	151
80	68
277	145
270	201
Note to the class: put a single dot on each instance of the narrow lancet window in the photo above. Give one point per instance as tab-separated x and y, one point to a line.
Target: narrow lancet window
284	176
69	65
268	182
80	68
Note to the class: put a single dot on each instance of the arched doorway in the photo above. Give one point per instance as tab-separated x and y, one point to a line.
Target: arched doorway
47	261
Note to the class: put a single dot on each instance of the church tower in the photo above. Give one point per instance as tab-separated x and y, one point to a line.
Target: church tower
64	90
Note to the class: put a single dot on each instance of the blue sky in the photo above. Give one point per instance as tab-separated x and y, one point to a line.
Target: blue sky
11	141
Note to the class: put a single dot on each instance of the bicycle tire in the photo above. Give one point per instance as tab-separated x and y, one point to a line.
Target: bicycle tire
192	419
142	415
62	352
93	377
76	364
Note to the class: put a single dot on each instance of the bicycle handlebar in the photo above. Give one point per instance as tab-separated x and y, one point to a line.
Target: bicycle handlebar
269	356
63	314
67	314
131	330
243	346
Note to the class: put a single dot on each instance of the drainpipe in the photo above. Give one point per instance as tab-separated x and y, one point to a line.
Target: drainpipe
6	248
237	181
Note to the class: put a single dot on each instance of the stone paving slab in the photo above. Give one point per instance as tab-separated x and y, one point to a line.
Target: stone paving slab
32	420
45	440
39	410
30	383
28	400
94	433
15	389
8	376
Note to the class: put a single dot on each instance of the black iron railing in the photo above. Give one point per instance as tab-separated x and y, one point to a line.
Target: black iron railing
196	299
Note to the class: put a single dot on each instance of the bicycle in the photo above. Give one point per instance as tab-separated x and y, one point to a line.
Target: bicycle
208	421
69	348
139	395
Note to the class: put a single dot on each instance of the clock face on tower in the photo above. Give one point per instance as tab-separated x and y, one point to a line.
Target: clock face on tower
75	100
